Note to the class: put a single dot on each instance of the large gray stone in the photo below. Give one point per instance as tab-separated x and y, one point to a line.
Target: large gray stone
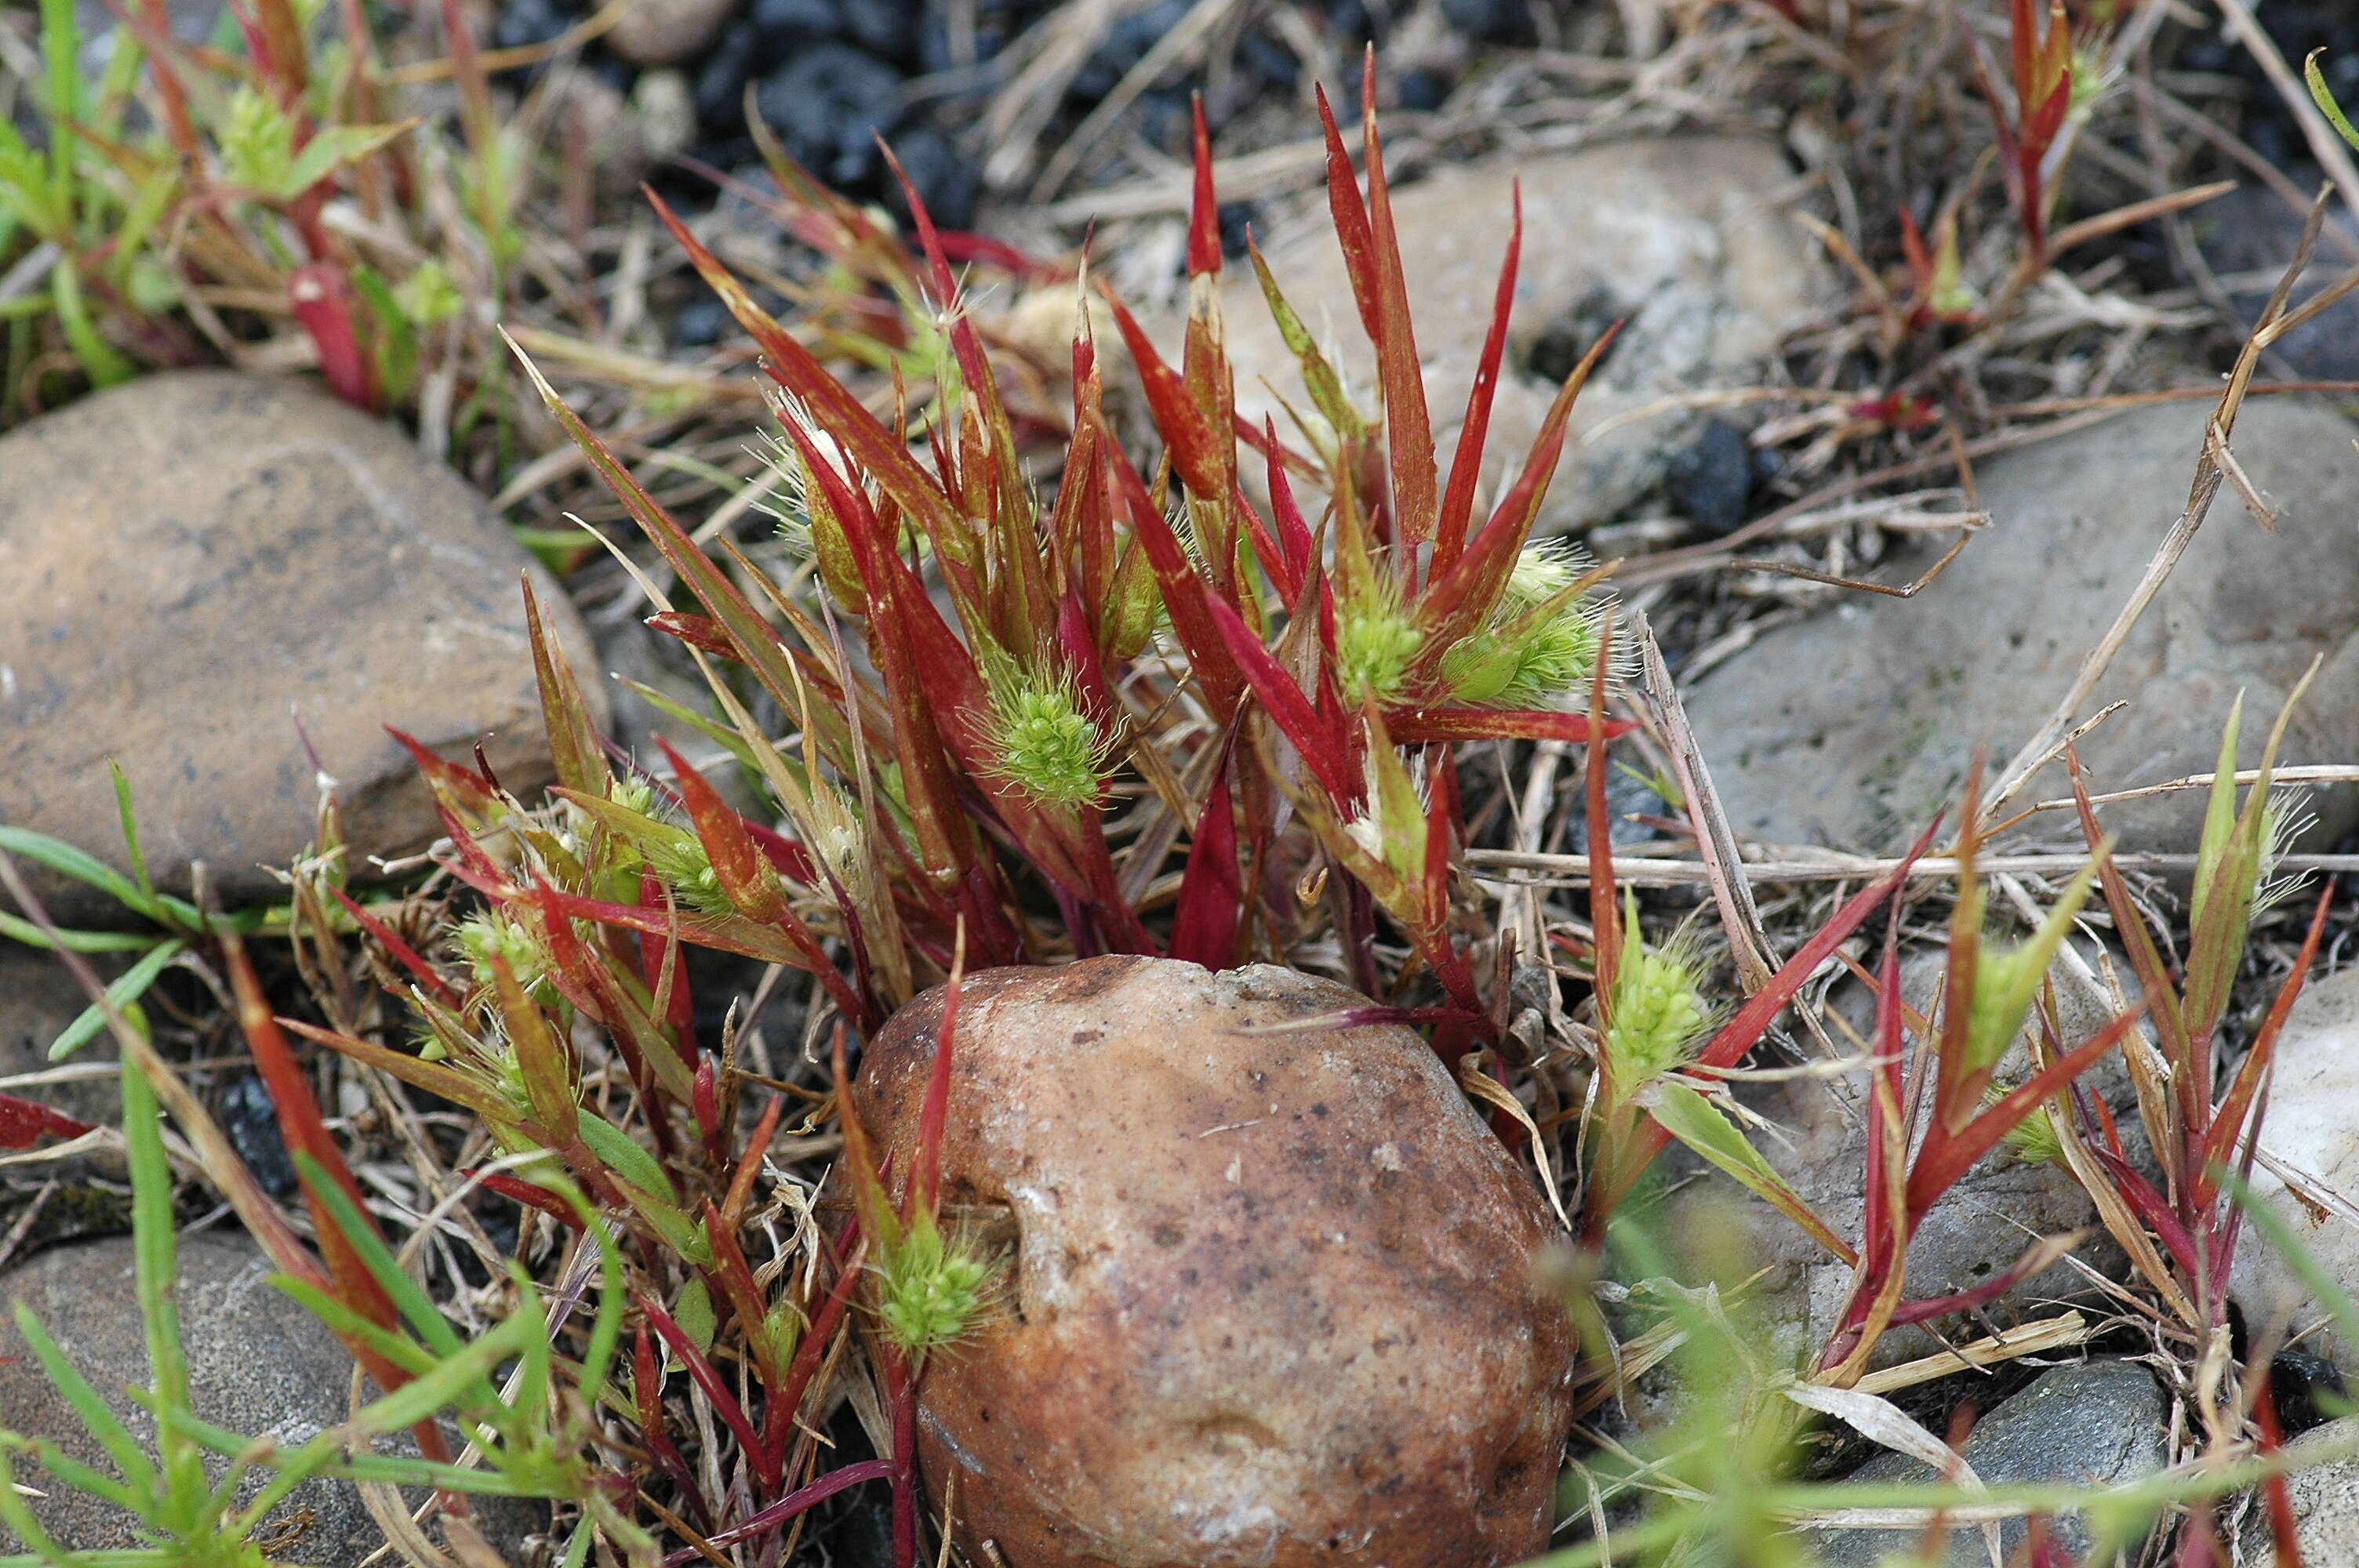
192	563
259	1364
2324	1490
1686	239
2310	1128
2100	1424
1852	728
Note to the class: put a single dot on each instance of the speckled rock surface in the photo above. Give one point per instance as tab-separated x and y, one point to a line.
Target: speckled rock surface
259	1364
189	564
1686	240
1852	727
2311	1129
2097	1425
2324	1490
1268	1298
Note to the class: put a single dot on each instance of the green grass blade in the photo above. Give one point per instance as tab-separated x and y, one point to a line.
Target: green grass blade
61	62
17	929
130	827
128	988
99	360
156	1264
17	1515
109	1431
446	1384
82	1478
415	1305
349	1326
83	867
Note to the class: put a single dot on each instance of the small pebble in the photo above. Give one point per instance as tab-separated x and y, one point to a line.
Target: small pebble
1423	91
1491	21
719	84
828	104
945	181
1711	479
880	27
783	23
250	1120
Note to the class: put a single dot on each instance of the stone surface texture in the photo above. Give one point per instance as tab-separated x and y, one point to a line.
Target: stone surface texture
2311	1128
1979	1228
2324	1487
37	999
259	1364
666	32
193	563
1852	728
2101	1423
1686	240
1268	1301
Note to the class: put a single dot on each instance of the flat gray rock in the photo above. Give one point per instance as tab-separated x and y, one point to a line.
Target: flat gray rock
1852	728
2310	1131
1686	240
2324	1491
193	562
259	1364
2099	1424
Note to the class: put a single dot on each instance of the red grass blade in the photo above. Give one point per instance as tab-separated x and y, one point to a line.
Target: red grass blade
1465	593
1466	463
322	303
738	863
573	741
716	1389
925	1194
2227	1124
1211	889
305	1131
1417	726
1323	750
2037	1259
1372	256
24	1122
879	453
403	953
1946	1157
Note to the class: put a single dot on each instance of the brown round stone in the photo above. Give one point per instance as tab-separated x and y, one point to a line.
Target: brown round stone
1267	1299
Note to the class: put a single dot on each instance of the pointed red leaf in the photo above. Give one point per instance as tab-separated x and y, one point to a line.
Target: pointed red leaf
1466	463
1211	889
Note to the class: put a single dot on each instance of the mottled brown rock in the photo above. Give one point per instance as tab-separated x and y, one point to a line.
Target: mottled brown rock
259	1364
1686	240
192	563
1269	1298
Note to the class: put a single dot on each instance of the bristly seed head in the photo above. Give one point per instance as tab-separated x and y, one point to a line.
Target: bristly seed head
679	861
2037	1139
1510	666
1657	1010
258	141
1045	744
930	1289
490	935
1374	644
